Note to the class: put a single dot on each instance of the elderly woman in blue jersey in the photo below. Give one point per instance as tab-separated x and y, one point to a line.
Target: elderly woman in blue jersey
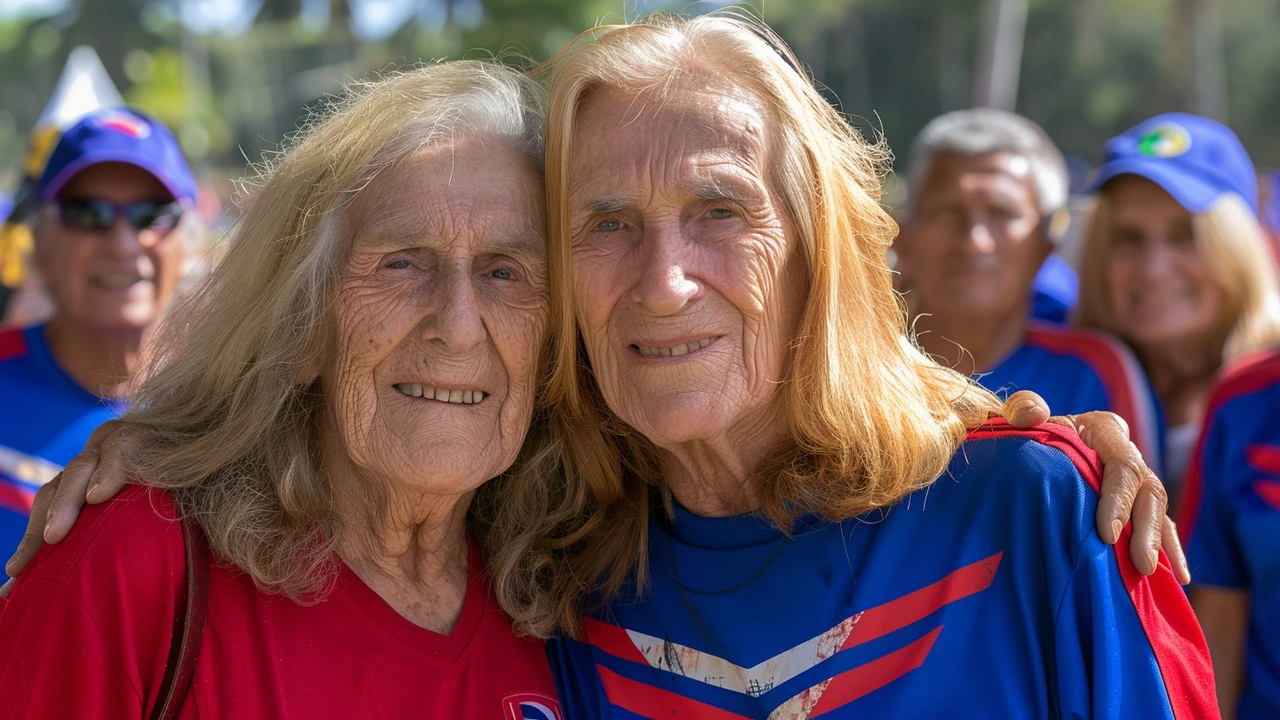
1231	515
800	513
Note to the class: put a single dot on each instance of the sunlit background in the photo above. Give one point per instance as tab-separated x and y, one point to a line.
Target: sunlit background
233	77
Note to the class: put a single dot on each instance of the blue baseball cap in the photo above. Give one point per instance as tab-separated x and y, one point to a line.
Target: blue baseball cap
118	135
1193	158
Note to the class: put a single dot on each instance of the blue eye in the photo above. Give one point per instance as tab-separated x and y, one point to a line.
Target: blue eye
721	213
609	226
502	274
398	265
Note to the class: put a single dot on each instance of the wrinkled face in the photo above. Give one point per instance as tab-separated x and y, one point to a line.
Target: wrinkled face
974	243
116	279
1160	286
440	314
688	277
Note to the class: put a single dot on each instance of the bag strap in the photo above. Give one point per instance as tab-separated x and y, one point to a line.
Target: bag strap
188	626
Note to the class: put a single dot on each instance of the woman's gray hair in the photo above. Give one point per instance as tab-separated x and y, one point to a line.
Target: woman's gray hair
229	403
983	131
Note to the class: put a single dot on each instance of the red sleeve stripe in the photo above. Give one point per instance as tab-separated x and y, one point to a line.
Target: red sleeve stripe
1250	374
1263	458
1181	653
12	344
652	702
16	498
1121	375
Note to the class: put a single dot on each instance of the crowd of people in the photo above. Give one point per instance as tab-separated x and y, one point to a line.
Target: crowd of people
612	390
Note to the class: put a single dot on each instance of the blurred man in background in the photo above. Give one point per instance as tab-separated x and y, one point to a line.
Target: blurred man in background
109	249
986	187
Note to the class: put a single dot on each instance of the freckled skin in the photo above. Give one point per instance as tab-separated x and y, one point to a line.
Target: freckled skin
444	284
1159	284
669	262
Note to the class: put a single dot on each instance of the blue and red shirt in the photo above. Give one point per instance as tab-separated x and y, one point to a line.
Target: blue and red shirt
1078	371
1230	516
987	594
45	419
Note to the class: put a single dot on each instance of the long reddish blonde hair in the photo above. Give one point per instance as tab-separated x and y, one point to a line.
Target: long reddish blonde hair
872	419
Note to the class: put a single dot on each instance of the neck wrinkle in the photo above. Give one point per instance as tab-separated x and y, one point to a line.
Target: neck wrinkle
399	534
99	362
716	477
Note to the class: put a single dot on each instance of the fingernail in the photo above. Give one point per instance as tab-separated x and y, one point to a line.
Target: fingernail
1024	404
1116	527
92	495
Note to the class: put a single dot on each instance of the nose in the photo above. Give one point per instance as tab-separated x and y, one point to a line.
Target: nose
121	238
979	238
458	323
662	286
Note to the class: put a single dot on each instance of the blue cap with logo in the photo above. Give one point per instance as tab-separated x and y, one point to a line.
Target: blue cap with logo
1193	158
118	135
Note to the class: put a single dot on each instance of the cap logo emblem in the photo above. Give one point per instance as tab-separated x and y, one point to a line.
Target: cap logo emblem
124	124
1165	141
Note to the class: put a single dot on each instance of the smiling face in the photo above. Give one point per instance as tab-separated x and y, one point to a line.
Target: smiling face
1159	284
440	315
973	245
688	277
116	279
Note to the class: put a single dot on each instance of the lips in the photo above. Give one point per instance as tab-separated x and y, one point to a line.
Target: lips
116	281
441	394
673	351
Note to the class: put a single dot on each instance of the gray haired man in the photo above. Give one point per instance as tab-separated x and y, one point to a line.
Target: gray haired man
985	186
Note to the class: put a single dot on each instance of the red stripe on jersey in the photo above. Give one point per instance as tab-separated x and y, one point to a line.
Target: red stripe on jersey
1119	372
896	614
651	702
12	344
1269	491
1182	655
612	639
1248	375
1263	458
853	684
16	498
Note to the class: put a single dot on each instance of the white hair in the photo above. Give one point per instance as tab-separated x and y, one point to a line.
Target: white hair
984	131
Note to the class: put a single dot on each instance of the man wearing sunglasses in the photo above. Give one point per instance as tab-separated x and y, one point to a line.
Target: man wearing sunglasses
108	246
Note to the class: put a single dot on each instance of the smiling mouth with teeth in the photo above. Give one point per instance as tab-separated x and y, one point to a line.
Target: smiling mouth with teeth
445	395
117	282
676	351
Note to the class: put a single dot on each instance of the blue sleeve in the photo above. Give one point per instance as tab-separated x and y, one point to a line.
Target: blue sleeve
1212	551
574	670
1106	667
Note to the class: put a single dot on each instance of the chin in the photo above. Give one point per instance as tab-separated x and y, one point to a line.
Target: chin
679	420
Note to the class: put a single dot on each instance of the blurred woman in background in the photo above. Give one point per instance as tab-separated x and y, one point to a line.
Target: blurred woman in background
1176	263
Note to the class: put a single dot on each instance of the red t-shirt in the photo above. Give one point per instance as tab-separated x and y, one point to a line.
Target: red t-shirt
87	629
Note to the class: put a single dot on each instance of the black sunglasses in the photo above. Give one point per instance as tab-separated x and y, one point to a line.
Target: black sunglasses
93	214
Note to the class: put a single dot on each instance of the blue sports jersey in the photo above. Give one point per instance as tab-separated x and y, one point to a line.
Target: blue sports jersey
46	420
988	594
1078	371
1055	290
1230	515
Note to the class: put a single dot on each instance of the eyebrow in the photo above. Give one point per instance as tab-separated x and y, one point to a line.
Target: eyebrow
609	203
529	248
722	190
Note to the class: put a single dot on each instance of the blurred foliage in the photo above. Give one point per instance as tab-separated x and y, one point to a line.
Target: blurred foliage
1090	68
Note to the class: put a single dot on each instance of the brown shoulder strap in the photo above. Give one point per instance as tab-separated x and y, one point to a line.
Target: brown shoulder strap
188	626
